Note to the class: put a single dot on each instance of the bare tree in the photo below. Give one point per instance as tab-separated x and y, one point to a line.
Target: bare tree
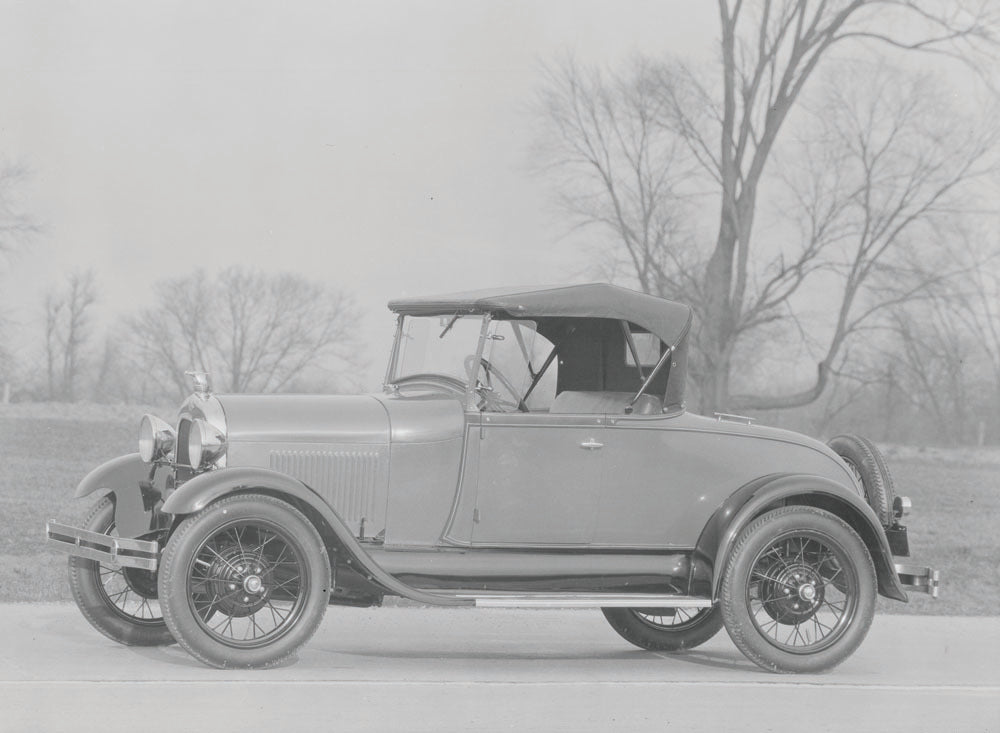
618	168
68	330
254	332
878	196
16	225
769	52
766	62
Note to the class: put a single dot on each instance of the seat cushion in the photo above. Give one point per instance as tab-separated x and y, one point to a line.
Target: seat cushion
604	403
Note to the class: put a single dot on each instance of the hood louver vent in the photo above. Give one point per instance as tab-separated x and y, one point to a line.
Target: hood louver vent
346	479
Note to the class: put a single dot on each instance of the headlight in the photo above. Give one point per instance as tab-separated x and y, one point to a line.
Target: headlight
205	444
156	438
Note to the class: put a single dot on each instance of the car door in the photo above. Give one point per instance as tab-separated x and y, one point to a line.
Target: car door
538	479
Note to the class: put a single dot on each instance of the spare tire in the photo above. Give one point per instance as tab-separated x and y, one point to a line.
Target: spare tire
867	463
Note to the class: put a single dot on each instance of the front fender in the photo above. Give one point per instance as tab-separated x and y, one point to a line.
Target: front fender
719	536
197	493
122	476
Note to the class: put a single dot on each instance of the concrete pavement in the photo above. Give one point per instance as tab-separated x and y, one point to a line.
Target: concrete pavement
476	669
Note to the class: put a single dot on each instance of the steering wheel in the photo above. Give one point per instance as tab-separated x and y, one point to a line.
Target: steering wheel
491	399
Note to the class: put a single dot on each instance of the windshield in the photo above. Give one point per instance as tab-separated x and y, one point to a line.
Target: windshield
437	345
446	345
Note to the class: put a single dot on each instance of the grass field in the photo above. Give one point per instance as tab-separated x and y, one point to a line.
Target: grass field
47	449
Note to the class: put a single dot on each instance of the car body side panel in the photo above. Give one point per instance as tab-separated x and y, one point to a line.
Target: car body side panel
427	434
423	481
665	476
458	530
426	418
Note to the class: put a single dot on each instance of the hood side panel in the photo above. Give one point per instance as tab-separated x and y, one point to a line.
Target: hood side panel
305	419
337	446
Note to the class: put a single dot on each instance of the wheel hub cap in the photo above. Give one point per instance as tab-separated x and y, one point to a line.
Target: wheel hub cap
794	593
240	582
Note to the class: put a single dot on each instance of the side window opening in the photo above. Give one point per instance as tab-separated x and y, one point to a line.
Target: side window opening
520	352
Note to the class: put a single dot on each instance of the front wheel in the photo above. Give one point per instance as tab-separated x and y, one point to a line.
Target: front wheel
245	582
119	602
665	629
798	593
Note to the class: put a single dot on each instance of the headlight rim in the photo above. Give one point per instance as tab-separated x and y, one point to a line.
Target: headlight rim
157	438
206	444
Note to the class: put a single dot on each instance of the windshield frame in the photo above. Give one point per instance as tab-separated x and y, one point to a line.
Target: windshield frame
391	374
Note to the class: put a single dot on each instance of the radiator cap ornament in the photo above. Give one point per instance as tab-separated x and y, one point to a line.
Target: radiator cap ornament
201	382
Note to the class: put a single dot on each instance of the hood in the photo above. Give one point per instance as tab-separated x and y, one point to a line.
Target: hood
335	419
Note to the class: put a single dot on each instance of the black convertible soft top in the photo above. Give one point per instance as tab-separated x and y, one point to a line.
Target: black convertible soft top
665	318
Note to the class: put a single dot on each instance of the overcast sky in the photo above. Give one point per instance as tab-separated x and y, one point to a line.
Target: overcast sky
379	146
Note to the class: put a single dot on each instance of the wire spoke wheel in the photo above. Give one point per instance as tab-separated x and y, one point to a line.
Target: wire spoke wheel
803	592
247	583
799	589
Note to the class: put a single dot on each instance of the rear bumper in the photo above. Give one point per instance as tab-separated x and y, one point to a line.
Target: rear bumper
127	553
918	578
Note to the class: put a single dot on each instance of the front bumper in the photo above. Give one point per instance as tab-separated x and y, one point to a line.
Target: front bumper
129	553
918	578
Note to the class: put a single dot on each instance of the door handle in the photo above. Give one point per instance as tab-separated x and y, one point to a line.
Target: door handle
591	444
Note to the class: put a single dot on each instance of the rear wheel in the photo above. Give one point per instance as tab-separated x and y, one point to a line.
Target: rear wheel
798	593
245	581
119	602
665	629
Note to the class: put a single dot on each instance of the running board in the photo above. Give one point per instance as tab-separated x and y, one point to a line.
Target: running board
485	599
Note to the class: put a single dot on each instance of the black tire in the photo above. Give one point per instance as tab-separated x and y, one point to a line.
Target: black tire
244	564
121	603
868	465
799	590
665	629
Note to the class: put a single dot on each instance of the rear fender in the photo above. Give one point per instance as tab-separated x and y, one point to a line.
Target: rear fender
123	477
767	492
197	493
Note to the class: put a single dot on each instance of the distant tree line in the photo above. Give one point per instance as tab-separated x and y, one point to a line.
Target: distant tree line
252	331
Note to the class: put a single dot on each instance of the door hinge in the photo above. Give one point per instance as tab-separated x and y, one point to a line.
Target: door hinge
475	516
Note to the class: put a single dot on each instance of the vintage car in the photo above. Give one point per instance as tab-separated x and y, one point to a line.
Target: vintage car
531	448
